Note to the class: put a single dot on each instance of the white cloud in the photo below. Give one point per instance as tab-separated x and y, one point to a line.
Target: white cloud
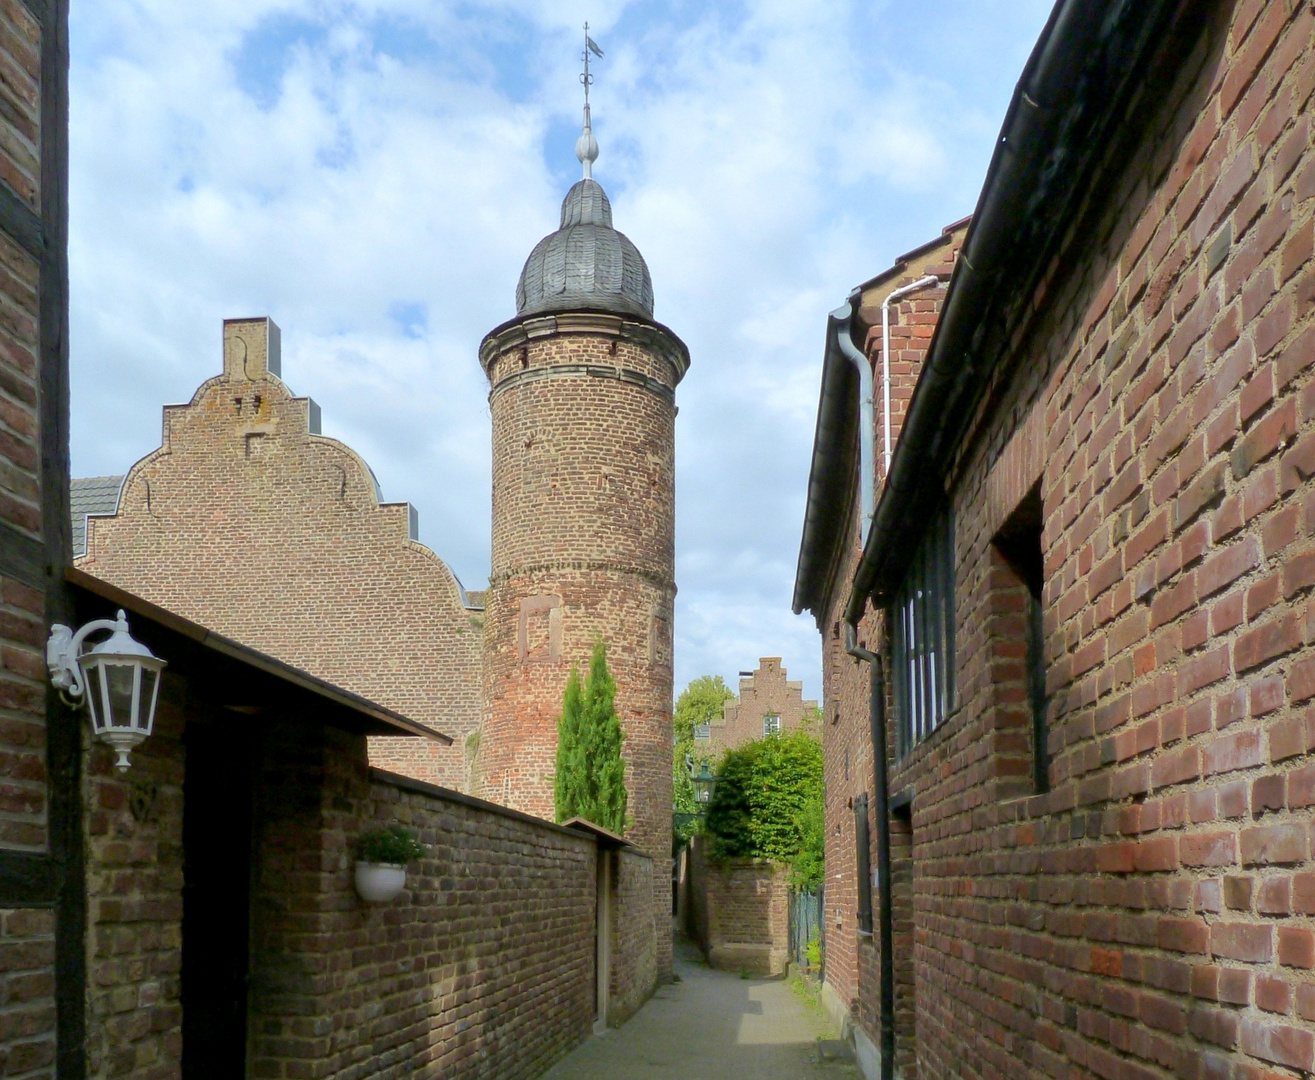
373	174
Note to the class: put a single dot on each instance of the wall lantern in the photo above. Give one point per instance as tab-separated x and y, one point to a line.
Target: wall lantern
119	678
704	781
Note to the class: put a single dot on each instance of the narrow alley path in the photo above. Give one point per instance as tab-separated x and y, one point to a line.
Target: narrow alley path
712	1025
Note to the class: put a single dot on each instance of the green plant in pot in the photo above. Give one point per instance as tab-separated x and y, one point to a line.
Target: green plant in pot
381	858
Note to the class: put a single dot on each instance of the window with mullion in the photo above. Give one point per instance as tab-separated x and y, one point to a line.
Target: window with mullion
922	628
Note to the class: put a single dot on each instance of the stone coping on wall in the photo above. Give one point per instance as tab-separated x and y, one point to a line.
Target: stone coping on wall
420	787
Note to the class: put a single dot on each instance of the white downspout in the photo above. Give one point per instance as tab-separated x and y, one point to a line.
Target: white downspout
902	291
866	416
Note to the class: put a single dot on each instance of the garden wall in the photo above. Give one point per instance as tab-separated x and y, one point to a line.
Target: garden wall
739	911
482	968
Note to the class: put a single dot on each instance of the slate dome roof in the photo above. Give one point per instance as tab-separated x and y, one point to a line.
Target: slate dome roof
586	264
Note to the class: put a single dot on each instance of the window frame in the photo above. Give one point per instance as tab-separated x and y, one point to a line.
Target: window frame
774	730
863	862
921	618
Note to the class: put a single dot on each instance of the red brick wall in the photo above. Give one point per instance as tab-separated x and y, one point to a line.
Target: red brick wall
846	741
37	734
583	545
741	912
250	524
23	804
767	691
1151	915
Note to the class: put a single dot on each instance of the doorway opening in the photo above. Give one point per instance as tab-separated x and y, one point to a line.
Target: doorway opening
217	789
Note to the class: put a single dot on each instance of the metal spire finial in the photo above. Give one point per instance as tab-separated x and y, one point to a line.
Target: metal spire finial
586	146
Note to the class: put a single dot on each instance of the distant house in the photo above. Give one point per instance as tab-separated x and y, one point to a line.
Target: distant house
768	704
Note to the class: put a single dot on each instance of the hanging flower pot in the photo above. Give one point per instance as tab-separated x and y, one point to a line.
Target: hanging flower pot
379	882
381	858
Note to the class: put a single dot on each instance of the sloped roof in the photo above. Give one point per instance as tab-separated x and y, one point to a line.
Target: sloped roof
91	495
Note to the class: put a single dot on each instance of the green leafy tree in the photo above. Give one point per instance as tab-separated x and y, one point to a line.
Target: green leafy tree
699	703
590	779
768	803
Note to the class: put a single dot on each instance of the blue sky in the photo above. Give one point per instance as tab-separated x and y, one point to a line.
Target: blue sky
372	175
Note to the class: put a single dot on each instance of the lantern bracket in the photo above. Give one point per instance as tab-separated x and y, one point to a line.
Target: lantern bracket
64	648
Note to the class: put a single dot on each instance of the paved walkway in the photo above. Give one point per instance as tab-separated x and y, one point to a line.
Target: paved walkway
712	1025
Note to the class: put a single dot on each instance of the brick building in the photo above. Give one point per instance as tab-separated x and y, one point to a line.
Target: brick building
582	396
769	703
333	581
229	944
41	909
1088	667
248	520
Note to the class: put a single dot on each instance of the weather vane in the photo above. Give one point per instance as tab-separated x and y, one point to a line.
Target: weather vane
586	146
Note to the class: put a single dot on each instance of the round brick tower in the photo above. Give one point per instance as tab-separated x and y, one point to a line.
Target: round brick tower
582	395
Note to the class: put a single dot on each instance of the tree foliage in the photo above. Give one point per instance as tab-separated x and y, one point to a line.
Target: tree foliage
590	778
699	703
769	803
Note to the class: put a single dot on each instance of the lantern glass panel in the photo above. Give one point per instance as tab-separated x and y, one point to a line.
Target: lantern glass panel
120	678
150	688
95	691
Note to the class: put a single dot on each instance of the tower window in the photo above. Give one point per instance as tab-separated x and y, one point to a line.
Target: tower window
771	725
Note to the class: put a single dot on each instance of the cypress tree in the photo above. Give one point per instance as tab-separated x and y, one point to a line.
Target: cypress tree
570	762
590	781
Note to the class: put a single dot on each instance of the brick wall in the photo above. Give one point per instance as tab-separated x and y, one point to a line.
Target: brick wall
251	523
846	741
27	945
633	972
583	546
740	912
39	908
766	692
23	806
1149	916
134	898
484	967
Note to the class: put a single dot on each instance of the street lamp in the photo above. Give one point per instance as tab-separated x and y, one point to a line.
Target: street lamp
119	679
704	781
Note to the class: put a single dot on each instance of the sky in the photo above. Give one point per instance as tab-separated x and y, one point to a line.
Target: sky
373	174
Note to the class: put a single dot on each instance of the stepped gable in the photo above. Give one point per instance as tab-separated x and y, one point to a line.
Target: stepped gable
249	521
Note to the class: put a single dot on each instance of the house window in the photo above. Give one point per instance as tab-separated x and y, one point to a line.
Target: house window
922	624
771	725
703	731
863	859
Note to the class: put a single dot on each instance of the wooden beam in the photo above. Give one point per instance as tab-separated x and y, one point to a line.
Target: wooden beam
23	558
40	10
28	879
21	222
63	725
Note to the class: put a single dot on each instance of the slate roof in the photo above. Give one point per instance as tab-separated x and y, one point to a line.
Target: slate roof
586	264
91	495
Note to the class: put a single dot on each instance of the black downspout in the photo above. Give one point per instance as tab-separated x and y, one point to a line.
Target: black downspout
885	920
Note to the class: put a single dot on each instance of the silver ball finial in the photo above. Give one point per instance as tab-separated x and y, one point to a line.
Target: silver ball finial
586	147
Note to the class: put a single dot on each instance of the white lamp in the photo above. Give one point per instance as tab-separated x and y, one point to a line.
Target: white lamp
120	679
